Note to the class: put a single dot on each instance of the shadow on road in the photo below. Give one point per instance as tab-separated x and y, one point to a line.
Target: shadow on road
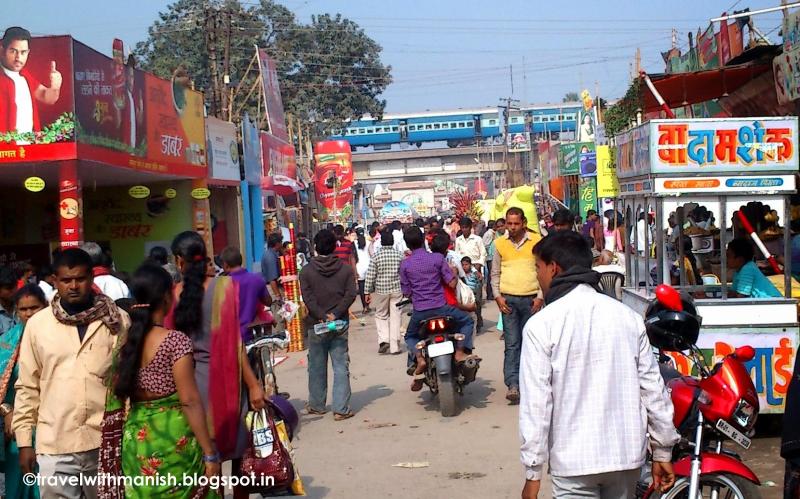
476	395
312	491
361	399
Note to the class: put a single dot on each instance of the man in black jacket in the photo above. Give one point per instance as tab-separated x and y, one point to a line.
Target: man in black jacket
329	288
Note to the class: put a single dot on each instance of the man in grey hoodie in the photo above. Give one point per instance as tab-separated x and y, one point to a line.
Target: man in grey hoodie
329	288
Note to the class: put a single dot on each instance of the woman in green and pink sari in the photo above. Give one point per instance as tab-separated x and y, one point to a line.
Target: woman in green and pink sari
164	432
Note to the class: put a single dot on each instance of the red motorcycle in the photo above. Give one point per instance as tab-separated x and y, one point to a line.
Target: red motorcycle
717	405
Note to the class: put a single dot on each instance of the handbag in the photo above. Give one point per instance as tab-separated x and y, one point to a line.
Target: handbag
276	468
464	294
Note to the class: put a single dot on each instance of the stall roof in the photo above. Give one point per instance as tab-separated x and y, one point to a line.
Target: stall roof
682	89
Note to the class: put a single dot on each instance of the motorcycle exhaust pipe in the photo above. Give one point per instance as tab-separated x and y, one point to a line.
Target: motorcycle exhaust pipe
471	363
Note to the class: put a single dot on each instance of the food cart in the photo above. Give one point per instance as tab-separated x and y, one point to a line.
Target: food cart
700	183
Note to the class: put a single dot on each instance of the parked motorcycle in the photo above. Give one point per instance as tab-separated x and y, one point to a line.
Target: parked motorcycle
718	404
443	375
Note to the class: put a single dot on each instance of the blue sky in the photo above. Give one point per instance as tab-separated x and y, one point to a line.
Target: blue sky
447	54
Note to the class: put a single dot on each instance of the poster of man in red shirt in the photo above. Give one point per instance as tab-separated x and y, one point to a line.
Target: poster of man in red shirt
31	87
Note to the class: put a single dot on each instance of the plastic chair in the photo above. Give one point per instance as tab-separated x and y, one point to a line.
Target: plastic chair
611	284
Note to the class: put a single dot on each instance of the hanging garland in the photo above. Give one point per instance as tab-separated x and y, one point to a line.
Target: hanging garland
61	130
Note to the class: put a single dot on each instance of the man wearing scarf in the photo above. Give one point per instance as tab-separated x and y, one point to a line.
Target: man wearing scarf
64	363
591	392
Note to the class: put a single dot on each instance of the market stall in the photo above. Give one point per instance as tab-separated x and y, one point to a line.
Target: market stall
707	182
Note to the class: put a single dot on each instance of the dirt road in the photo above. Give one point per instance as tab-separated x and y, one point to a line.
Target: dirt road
475	454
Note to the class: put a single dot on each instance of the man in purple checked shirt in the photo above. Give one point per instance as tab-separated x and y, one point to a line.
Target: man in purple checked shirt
422	275
252	289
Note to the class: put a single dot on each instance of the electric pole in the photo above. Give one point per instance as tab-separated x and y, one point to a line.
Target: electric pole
510	104
210	29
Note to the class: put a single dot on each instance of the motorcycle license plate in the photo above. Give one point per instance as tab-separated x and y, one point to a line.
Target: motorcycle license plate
439	349
734	434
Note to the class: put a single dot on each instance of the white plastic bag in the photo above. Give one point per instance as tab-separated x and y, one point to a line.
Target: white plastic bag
464	294
288	310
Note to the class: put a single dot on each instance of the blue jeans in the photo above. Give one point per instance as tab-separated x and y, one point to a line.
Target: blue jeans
461	318
319	348
512	333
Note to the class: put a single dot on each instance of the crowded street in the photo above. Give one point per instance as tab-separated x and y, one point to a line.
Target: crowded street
392	426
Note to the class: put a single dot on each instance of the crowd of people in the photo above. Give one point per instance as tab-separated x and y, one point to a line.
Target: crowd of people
104	372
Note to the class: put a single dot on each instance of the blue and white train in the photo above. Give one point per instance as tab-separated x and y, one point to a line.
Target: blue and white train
456	128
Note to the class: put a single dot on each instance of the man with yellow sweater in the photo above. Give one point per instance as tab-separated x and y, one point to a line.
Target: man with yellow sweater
516	290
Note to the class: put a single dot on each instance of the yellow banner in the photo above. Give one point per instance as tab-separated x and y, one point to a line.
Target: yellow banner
607	182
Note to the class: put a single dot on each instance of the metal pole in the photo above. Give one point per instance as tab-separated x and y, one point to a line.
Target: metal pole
787	248
755	12
723	228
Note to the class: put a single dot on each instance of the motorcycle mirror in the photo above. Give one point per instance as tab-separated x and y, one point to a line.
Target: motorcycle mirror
669	297
745	353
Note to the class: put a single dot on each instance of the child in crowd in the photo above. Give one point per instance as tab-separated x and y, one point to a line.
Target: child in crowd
474	280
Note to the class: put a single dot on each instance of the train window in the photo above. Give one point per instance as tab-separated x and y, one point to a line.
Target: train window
361	131
394	128
470	124
435	126
492	122
428	126
445	125
411	128
537	119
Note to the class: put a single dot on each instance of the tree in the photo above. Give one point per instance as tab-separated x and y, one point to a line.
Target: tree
329	70
620	116
571	97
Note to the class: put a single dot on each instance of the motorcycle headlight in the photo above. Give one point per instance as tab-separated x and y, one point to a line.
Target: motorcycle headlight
745	415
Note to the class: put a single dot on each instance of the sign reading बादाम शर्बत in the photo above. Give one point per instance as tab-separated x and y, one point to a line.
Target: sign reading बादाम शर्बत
723	145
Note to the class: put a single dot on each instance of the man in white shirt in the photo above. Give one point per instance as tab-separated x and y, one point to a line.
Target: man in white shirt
397	233
106	283
471	245
592	397
20	91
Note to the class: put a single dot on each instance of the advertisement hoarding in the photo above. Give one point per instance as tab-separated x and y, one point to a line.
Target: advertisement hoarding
607	182
131	118
333	179
223	150
519	142
587	196
272	96
251	145
43	126
723	145
279	166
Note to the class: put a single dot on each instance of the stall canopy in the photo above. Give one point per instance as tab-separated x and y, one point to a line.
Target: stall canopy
684	89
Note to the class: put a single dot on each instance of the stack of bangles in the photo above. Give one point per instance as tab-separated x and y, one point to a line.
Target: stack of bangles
213	458
5	409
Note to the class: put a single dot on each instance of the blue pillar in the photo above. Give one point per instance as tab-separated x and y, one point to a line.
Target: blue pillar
248	226
257	224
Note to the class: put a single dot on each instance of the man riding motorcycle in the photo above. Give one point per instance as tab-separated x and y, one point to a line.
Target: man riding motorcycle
422	277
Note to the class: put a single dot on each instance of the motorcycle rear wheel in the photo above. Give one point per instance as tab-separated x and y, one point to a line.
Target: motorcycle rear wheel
448	402
727	486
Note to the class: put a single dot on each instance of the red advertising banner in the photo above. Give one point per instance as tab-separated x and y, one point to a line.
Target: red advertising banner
36	110
131	118
280	166
272	96
70	207
333	179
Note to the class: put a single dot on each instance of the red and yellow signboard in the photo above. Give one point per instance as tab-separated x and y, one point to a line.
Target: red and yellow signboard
130	118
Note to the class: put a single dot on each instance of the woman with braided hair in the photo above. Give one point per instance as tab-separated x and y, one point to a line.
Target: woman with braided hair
207	310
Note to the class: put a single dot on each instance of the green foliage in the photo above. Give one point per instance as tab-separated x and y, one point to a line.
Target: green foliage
571	97
619	116
61	130
329	69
